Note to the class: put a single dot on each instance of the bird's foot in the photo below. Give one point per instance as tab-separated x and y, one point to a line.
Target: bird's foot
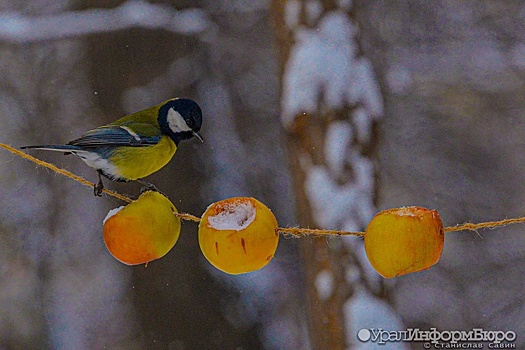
99	187
148	187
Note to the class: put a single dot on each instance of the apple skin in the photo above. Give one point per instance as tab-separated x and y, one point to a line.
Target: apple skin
404	240
144	230
241	250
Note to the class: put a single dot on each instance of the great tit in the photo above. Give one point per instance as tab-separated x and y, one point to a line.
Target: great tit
136	145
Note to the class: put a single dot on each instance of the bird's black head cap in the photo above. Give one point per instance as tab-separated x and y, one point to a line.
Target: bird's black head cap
181	119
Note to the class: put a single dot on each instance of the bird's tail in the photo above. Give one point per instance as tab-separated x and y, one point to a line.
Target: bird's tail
57	148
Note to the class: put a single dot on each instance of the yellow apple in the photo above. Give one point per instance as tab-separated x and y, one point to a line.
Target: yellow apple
404	240
238	235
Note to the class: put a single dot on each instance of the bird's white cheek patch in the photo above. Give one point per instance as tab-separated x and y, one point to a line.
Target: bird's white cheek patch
175	121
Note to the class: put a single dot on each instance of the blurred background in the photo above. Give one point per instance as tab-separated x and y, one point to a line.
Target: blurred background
325	110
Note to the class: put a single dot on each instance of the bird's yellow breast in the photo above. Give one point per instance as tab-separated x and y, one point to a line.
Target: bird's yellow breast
134	163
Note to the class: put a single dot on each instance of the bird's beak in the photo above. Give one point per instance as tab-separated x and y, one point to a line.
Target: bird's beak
198	136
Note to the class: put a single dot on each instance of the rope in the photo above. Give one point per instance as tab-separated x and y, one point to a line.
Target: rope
293	231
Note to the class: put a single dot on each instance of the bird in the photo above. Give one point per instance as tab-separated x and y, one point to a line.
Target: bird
136	145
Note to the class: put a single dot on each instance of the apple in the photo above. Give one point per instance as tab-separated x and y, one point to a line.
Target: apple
238	235
142	231
404	240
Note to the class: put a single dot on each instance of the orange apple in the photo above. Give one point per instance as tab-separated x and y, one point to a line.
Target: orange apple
142	231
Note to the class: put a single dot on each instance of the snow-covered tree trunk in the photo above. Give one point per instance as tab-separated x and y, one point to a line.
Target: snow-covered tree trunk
329	104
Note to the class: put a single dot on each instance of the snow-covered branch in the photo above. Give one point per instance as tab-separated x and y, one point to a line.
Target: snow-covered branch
15	27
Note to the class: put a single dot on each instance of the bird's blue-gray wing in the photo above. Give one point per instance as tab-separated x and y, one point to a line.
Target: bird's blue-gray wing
117	135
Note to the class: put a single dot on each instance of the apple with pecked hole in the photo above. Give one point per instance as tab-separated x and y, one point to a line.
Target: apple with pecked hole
238	235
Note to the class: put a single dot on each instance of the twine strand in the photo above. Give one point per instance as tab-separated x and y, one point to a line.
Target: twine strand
81	180
300	232
292	231
187	217
63	172
468	226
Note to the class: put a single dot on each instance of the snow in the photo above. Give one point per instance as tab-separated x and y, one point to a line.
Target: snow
345	4
337	142
292	11
259	291
324	284
334	204
324	62
112	212
367	88
230	174
406	211
363	125
364	311
319	62
314	9
374	280
235	216
133	13
325	72
282	333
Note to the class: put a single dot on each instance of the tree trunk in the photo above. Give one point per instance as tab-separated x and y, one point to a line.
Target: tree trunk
330	134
